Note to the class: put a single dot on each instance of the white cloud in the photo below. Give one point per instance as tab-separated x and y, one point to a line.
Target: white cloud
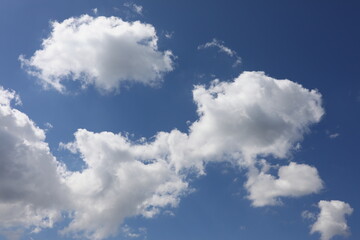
308	215
243	121
334	135
95	11
169	35
36	189
134	7
294	180
30	185
331	219
222	48
253	115
106	52
117	184
138	8
131	233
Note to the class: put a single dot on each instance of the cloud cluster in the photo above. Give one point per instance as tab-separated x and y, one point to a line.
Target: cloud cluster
36	190
331	219
254	115
243	121
106	52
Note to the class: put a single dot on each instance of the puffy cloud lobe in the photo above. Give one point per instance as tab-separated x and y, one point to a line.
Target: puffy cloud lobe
104	51
116	184
331	219
254	115
31	193
294	180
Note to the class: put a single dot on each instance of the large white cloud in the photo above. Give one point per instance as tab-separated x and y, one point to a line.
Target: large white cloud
116	184
31	192
104	51
36	191
243	121
331	219
254	115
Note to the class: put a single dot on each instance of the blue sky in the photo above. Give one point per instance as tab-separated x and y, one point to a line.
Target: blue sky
143	143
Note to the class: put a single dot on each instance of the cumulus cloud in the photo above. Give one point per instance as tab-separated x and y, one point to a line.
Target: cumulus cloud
239	121
253	115
294	180
222	48
106	52
243	121
36	190
31	192
331	220
117	184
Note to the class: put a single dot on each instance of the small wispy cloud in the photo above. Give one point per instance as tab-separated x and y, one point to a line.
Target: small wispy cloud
48	126
134	7
222	48
95	11
334	135
308	215
169	35
132	233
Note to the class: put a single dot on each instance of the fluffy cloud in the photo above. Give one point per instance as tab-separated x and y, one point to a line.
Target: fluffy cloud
254	115
331	219
106	52
243	121
257	116
31	192
36	191
294	180
117	184
239	121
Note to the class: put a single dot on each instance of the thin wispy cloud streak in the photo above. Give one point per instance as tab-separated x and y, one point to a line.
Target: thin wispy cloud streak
222	48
